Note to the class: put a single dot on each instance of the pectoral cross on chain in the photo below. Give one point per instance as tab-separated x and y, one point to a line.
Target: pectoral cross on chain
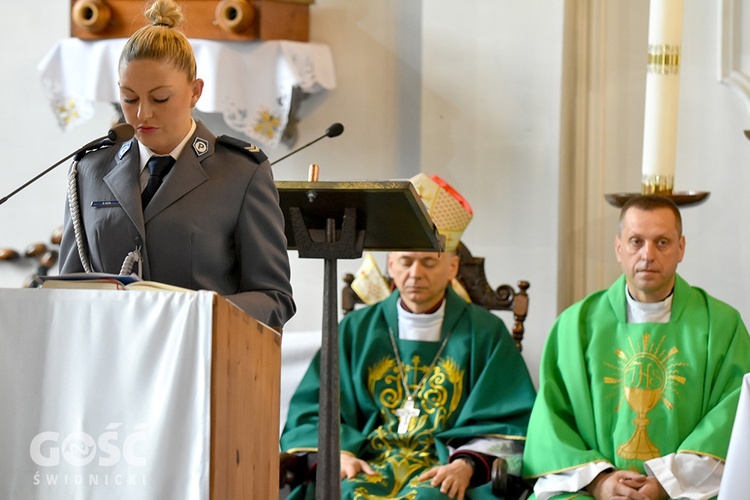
405	414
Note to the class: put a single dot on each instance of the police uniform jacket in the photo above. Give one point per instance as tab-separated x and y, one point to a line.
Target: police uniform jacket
214	224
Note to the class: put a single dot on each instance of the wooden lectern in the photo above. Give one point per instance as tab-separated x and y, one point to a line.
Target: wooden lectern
136	394
245	392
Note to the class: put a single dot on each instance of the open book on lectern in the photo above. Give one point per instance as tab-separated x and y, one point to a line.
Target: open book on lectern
105	281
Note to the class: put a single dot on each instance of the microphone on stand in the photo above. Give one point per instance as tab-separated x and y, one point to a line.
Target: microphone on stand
119	133
334	130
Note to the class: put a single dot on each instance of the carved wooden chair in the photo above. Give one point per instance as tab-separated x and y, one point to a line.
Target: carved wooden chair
471	276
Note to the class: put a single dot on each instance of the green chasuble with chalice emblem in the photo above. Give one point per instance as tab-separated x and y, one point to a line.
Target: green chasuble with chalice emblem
627	393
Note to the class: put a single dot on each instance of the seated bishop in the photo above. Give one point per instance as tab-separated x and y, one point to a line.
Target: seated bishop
432	387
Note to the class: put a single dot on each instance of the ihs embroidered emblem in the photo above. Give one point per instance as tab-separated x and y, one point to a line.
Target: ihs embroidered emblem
647	374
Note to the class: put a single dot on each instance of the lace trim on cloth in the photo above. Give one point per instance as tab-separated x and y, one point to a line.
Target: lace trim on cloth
251	85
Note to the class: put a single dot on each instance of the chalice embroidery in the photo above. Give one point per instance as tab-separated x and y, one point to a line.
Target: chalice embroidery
647	373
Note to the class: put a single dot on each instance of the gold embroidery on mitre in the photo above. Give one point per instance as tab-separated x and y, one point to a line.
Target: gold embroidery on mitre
647	374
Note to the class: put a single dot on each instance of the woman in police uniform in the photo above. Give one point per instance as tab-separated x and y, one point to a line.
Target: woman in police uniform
214	223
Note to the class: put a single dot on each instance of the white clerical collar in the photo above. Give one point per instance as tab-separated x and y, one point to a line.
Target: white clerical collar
648	312
146	153
422	327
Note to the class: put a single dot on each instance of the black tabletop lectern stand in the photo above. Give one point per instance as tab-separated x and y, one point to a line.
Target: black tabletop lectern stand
338	220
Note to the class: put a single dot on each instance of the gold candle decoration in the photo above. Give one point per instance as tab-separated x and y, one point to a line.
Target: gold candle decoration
662	96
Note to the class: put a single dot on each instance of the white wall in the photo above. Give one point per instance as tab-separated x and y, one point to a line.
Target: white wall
445	89
713	155
30	139
437	86
711	148
469	90
491	79
377	70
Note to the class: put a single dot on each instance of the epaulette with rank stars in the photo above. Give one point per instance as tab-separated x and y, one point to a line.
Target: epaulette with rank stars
252	151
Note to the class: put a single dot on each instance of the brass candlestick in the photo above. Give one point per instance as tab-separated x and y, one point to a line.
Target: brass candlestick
657	184
680	198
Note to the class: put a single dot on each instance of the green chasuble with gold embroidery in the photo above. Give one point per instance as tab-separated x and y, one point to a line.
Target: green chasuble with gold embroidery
480	386
626	393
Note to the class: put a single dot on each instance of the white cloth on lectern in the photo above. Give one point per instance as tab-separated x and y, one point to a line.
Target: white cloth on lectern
105	394
736	481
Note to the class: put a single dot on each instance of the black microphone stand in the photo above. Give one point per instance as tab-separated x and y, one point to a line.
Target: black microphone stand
3	200
333	131
119	133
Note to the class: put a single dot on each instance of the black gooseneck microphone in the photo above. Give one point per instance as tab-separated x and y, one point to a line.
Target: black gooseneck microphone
334	130
119	133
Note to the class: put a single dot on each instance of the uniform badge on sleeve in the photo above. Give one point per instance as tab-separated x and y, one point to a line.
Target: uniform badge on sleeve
124	149
200	146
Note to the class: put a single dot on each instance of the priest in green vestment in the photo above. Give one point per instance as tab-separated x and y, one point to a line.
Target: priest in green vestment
432	388
639	383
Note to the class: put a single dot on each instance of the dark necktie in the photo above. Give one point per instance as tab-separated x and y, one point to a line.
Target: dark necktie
158	167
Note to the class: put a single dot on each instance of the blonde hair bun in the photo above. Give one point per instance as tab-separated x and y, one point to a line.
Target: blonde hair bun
158	42
165	13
